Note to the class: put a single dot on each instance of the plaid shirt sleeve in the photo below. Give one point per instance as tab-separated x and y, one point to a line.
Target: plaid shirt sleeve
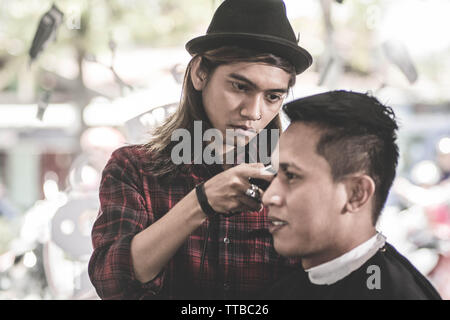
123	214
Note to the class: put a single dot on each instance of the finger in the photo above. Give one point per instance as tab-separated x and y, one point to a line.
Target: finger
250	204
256	197
240	202
261	183
257	171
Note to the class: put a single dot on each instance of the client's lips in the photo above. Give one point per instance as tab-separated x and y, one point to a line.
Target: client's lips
276	224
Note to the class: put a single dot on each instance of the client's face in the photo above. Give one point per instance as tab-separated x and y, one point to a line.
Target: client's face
305	204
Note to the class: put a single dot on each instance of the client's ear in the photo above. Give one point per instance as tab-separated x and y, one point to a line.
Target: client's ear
360	191
197	74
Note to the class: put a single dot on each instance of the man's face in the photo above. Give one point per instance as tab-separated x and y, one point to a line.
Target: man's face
244	97
305	204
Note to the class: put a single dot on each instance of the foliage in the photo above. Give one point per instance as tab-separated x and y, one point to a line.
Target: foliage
89	25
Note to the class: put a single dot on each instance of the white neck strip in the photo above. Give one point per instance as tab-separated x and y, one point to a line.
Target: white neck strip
340	267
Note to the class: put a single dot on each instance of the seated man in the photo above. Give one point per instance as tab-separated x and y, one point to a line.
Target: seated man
336	164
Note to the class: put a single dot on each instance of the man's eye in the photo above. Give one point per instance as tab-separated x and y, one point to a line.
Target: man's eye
239	86
289	176
274	98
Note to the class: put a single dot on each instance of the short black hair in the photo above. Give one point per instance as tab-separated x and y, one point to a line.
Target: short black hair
358	134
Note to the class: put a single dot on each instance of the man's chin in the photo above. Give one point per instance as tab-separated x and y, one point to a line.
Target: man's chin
239	145
239	142
285	251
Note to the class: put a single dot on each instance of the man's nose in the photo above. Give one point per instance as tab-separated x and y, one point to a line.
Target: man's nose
272	194
252	107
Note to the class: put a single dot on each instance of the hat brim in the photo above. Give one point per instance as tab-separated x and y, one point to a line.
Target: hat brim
298	56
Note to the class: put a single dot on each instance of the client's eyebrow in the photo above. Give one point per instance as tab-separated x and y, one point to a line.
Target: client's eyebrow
285	165
253	85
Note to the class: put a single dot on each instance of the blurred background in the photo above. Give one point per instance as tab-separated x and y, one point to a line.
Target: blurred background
79	79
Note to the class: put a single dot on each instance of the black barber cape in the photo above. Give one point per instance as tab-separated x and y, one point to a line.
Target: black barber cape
397	279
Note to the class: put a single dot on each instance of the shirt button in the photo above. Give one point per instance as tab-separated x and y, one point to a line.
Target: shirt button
226	240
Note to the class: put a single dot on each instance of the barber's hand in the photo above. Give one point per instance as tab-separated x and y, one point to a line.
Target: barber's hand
226	191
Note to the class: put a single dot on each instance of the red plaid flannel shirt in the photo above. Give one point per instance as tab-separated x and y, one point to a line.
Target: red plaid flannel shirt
240	260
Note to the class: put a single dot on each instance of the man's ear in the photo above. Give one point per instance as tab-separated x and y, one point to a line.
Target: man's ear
360	191
197	74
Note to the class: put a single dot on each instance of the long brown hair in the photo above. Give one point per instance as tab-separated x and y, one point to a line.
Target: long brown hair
191	106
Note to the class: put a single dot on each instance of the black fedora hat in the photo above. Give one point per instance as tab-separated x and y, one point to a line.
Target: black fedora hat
261	25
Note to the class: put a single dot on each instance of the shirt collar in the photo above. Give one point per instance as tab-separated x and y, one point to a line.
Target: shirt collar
340	267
